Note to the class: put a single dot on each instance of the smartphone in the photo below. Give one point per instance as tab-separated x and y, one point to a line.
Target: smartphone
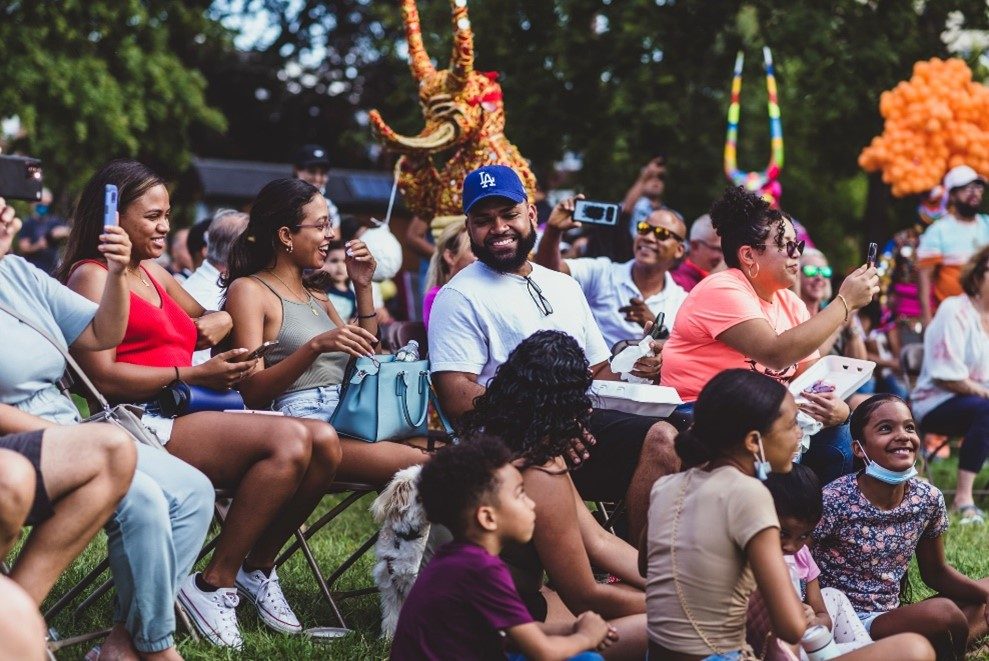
873	252
109	205
659	331
259	352
597	213
20	178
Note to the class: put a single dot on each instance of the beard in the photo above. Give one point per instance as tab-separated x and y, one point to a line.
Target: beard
966	210
506	264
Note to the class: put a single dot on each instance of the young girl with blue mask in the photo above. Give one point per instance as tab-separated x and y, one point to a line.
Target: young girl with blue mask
713	534
876	519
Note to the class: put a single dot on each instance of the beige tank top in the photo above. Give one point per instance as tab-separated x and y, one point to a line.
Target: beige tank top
299	325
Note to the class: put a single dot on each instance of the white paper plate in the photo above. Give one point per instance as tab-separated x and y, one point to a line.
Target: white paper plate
846	375
637	398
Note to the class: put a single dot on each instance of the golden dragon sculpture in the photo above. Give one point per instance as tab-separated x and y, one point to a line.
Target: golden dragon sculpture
463	111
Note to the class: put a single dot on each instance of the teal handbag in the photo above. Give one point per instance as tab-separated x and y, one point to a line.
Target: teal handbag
383	399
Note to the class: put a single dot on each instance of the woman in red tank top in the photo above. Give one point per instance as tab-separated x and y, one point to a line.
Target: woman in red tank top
279	467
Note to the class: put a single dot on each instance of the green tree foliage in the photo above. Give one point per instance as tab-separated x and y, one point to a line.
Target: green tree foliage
618	81
94	80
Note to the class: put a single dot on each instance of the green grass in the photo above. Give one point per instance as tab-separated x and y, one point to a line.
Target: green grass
966	550
331	546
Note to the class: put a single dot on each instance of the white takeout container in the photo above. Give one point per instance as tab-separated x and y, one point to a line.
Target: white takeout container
846	375
638	398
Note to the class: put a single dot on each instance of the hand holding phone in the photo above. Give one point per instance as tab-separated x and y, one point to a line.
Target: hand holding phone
873	252
659	331
260	352
110	205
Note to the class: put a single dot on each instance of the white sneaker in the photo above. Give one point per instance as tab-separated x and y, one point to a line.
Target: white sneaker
214	614
265	593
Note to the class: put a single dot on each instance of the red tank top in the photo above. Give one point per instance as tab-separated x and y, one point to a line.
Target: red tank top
155	337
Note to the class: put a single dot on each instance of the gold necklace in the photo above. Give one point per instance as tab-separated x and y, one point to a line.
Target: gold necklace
140	277
312	307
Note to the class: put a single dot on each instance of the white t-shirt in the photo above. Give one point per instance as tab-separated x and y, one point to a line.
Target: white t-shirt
481	315
609	286
952	241
202	286
955	348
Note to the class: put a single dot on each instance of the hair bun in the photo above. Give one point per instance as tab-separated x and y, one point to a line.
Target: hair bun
691	450
737	207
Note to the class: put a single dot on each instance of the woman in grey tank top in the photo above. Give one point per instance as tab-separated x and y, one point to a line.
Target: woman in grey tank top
269	299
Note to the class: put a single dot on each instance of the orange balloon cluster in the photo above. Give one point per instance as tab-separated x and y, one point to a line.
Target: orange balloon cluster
935	121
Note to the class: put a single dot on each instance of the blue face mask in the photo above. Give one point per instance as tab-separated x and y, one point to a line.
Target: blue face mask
41	209
762	467
883	474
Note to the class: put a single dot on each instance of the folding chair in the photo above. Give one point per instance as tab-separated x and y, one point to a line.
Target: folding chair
911	359
355	491
608	514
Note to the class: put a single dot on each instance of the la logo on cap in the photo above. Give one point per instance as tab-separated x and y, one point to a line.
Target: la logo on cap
487	181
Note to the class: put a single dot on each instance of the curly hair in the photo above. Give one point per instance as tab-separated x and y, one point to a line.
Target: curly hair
460	478
742	218
537	402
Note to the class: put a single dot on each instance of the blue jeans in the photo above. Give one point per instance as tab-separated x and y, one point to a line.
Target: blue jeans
318	403
966	415
830	454
153	539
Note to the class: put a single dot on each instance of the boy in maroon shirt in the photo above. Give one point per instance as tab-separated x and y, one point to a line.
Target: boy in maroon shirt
464	603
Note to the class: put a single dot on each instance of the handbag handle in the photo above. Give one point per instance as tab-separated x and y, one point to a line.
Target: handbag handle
403	387
73	365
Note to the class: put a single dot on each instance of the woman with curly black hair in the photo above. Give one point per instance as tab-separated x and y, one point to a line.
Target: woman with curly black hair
747	317
537	403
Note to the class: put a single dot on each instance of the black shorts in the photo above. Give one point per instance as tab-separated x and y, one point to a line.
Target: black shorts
28	445
606	474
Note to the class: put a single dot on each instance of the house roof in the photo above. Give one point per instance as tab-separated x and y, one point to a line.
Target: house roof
222	179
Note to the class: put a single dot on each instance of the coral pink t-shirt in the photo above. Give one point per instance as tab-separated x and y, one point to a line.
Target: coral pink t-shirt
693	355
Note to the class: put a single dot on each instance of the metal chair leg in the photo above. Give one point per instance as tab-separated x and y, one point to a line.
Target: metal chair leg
76	590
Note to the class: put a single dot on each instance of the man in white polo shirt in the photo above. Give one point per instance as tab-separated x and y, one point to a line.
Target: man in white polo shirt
623	297
489	307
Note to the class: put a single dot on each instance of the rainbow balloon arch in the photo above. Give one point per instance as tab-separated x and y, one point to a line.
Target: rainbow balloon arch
765	182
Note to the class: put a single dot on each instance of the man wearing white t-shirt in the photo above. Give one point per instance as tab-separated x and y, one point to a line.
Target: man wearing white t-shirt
946	246
623	297
488	308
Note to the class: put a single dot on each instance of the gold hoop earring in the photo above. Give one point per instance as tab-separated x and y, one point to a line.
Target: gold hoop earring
752	275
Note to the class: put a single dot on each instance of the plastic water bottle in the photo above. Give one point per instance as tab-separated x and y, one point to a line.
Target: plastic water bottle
818	643
409	353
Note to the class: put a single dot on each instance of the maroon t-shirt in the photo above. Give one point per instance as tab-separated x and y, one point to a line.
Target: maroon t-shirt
459	607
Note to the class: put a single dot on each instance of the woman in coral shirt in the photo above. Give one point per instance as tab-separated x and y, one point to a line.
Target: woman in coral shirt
747	317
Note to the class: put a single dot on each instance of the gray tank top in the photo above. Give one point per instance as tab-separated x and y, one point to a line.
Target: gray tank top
299	325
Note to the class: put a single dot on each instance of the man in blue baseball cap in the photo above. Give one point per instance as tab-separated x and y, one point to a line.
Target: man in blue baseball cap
490	306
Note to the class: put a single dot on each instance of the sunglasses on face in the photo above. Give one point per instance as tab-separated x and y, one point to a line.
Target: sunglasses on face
661	233
793	248
814	271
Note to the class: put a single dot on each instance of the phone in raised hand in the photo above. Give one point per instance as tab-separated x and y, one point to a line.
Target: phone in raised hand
109	205
873	253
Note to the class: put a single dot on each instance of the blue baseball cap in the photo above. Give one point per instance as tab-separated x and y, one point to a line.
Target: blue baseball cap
492	181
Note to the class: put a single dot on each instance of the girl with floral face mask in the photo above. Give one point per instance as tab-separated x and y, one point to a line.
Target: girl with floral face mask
876	519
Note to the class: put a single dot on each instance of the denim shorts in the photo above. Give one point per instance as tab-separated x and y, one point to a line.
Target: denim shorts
316	403
867	618
160	425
